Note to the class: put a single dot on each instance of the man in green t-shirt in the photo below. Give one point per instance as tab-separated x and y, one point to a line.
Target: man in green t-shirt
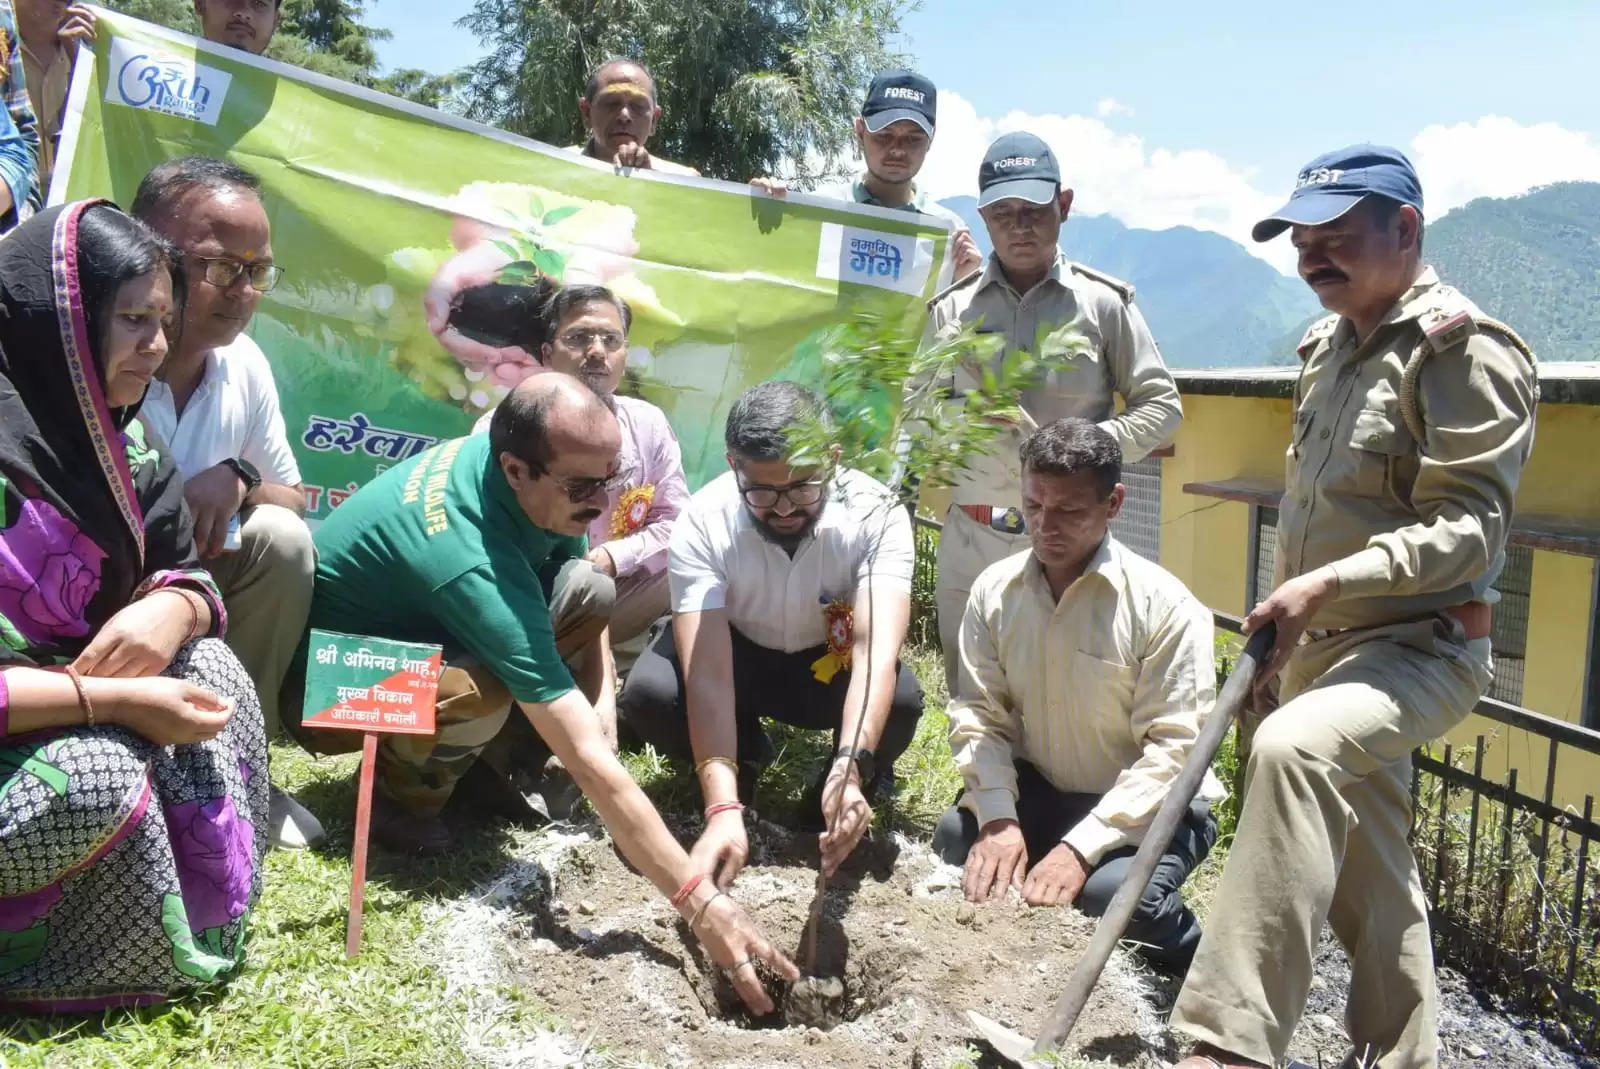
478	545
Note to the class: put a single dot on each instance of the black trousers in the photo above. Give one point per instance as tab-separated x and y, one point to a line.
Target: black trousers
1163	926
766	683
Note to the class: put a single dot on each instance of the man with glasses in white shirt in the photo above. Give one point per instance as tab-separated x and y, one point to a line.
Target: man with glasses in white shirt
791	594
214	404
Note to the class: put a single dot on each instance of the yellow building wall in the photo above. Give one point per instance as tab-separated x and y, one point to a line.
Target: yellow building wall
1562	478
1559	630
1205	542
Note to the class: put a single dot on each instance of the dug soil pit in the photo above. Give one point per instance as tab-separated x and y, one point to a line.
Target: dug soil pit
901	955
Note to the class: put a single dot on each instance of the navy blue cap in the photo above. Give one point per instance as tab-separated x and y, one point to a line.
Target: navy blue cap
1018	166
900	95
1332	184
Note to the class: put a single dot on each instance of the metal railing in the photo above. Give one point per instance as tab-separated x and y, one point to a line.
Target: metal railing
1513	880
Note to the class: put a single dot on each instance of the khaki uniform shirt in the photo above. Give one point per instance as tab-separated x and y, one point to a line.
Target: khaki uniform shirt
1409	528
47	89
656	162
920	201
1121	359
1104	691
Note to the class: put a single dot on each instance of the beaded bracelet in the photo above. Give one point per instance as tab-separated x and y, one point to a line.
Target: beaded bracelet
724	807
687	889
83	694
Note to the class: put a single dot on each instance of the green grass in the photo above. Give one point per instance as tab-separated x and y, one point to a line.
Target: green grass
299	1003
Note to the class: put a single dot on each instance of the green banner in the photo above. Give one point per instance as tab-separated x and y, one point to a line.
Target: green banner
408	237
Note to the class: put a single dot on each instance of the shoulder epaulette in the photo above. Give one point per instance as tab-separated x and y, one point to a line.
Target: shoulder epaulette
1443	329
1318	331
1124	289
956	285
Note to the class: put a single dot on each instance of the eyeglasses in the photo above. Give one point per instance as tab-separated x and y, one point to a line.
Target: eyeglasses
581	488
581	340
223	272
801	494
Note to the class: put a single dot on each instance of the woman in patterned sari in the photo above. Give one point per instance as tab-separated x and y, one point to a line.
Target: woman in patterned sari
133	769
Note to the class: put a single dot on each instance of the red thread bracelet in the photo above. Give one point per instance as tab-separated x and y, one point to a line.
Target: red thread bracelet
724	807
687	889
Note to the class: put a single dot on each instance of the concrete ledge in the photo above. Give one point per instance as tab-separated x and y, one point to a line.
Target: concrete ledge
1559	384
1581	539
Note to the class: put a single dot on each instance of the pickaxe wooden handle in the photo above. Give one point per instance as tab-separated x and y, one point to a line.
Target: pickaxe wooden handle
1156	840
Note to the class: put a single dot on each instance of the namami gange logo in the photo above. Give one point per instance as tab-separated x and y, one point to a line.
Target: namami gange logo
144	77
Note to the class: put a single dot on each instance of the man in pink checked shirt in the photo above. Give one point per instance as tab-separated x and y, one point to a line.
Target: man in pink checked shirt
586	336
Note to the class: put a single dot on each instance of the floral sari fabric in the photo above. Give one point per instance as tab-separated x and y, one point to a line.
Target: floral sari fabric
127	869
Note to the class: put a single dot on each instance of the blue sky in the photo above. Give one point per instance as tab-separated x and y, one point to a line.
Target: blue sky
1167	112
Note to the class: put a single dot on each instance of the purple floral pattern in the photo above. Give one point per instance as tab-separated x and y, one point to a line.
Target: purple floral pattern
211	844
49	572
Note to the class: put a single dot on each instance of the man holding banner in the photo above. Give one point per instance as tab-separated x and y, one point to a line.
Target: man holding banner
619	110
895	131
243	24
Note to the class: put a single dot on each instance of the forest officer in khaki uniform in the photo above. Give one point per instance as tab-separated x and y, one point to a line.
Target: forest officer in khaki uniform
1413	419
1081	323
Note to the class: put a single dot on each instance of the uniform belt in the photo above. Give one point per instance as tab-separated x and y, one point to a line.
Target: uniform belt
1475	617
1007	519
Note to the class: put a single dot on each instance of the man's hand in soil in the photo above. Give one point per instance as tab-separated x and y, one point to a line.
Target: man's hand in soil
215	497
996	861
845	813
1057	880
722	848
736	944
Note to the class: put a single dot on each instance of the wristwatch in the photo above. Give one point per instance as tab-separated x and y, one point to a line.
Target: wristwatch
866	763
246	472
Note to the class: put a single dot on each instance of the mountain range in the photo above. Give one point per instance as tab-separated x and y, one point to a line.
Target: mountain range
1531	260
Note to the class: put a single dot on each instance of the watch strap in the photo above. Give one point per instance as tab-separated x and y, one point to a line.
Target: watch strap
246	471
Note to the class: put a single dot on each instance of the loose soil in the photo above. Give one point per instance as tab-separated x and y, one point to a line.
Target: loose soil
594	944
603	951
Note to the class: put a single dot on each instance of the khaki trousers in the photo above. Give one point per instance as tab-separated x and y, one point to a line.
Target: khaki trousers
266	588
1323	836
641	601
966	548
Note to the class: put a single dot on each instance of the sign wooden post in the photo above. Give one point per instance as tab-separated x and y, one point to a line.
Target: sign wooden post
375	686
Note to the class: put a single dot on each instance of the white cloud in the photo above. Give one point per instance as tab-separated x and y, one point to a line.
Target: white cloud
1109	106
1498	157
1110	172
1155	187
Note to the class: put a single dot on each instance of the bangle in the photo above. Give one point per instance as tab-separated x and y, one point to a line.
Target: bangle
194	613
83	694
724	807
694	920
701	765
687	889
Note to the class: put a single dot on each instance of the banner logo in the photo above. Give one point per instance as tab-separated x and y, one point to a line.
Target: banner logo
898	262
147	79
